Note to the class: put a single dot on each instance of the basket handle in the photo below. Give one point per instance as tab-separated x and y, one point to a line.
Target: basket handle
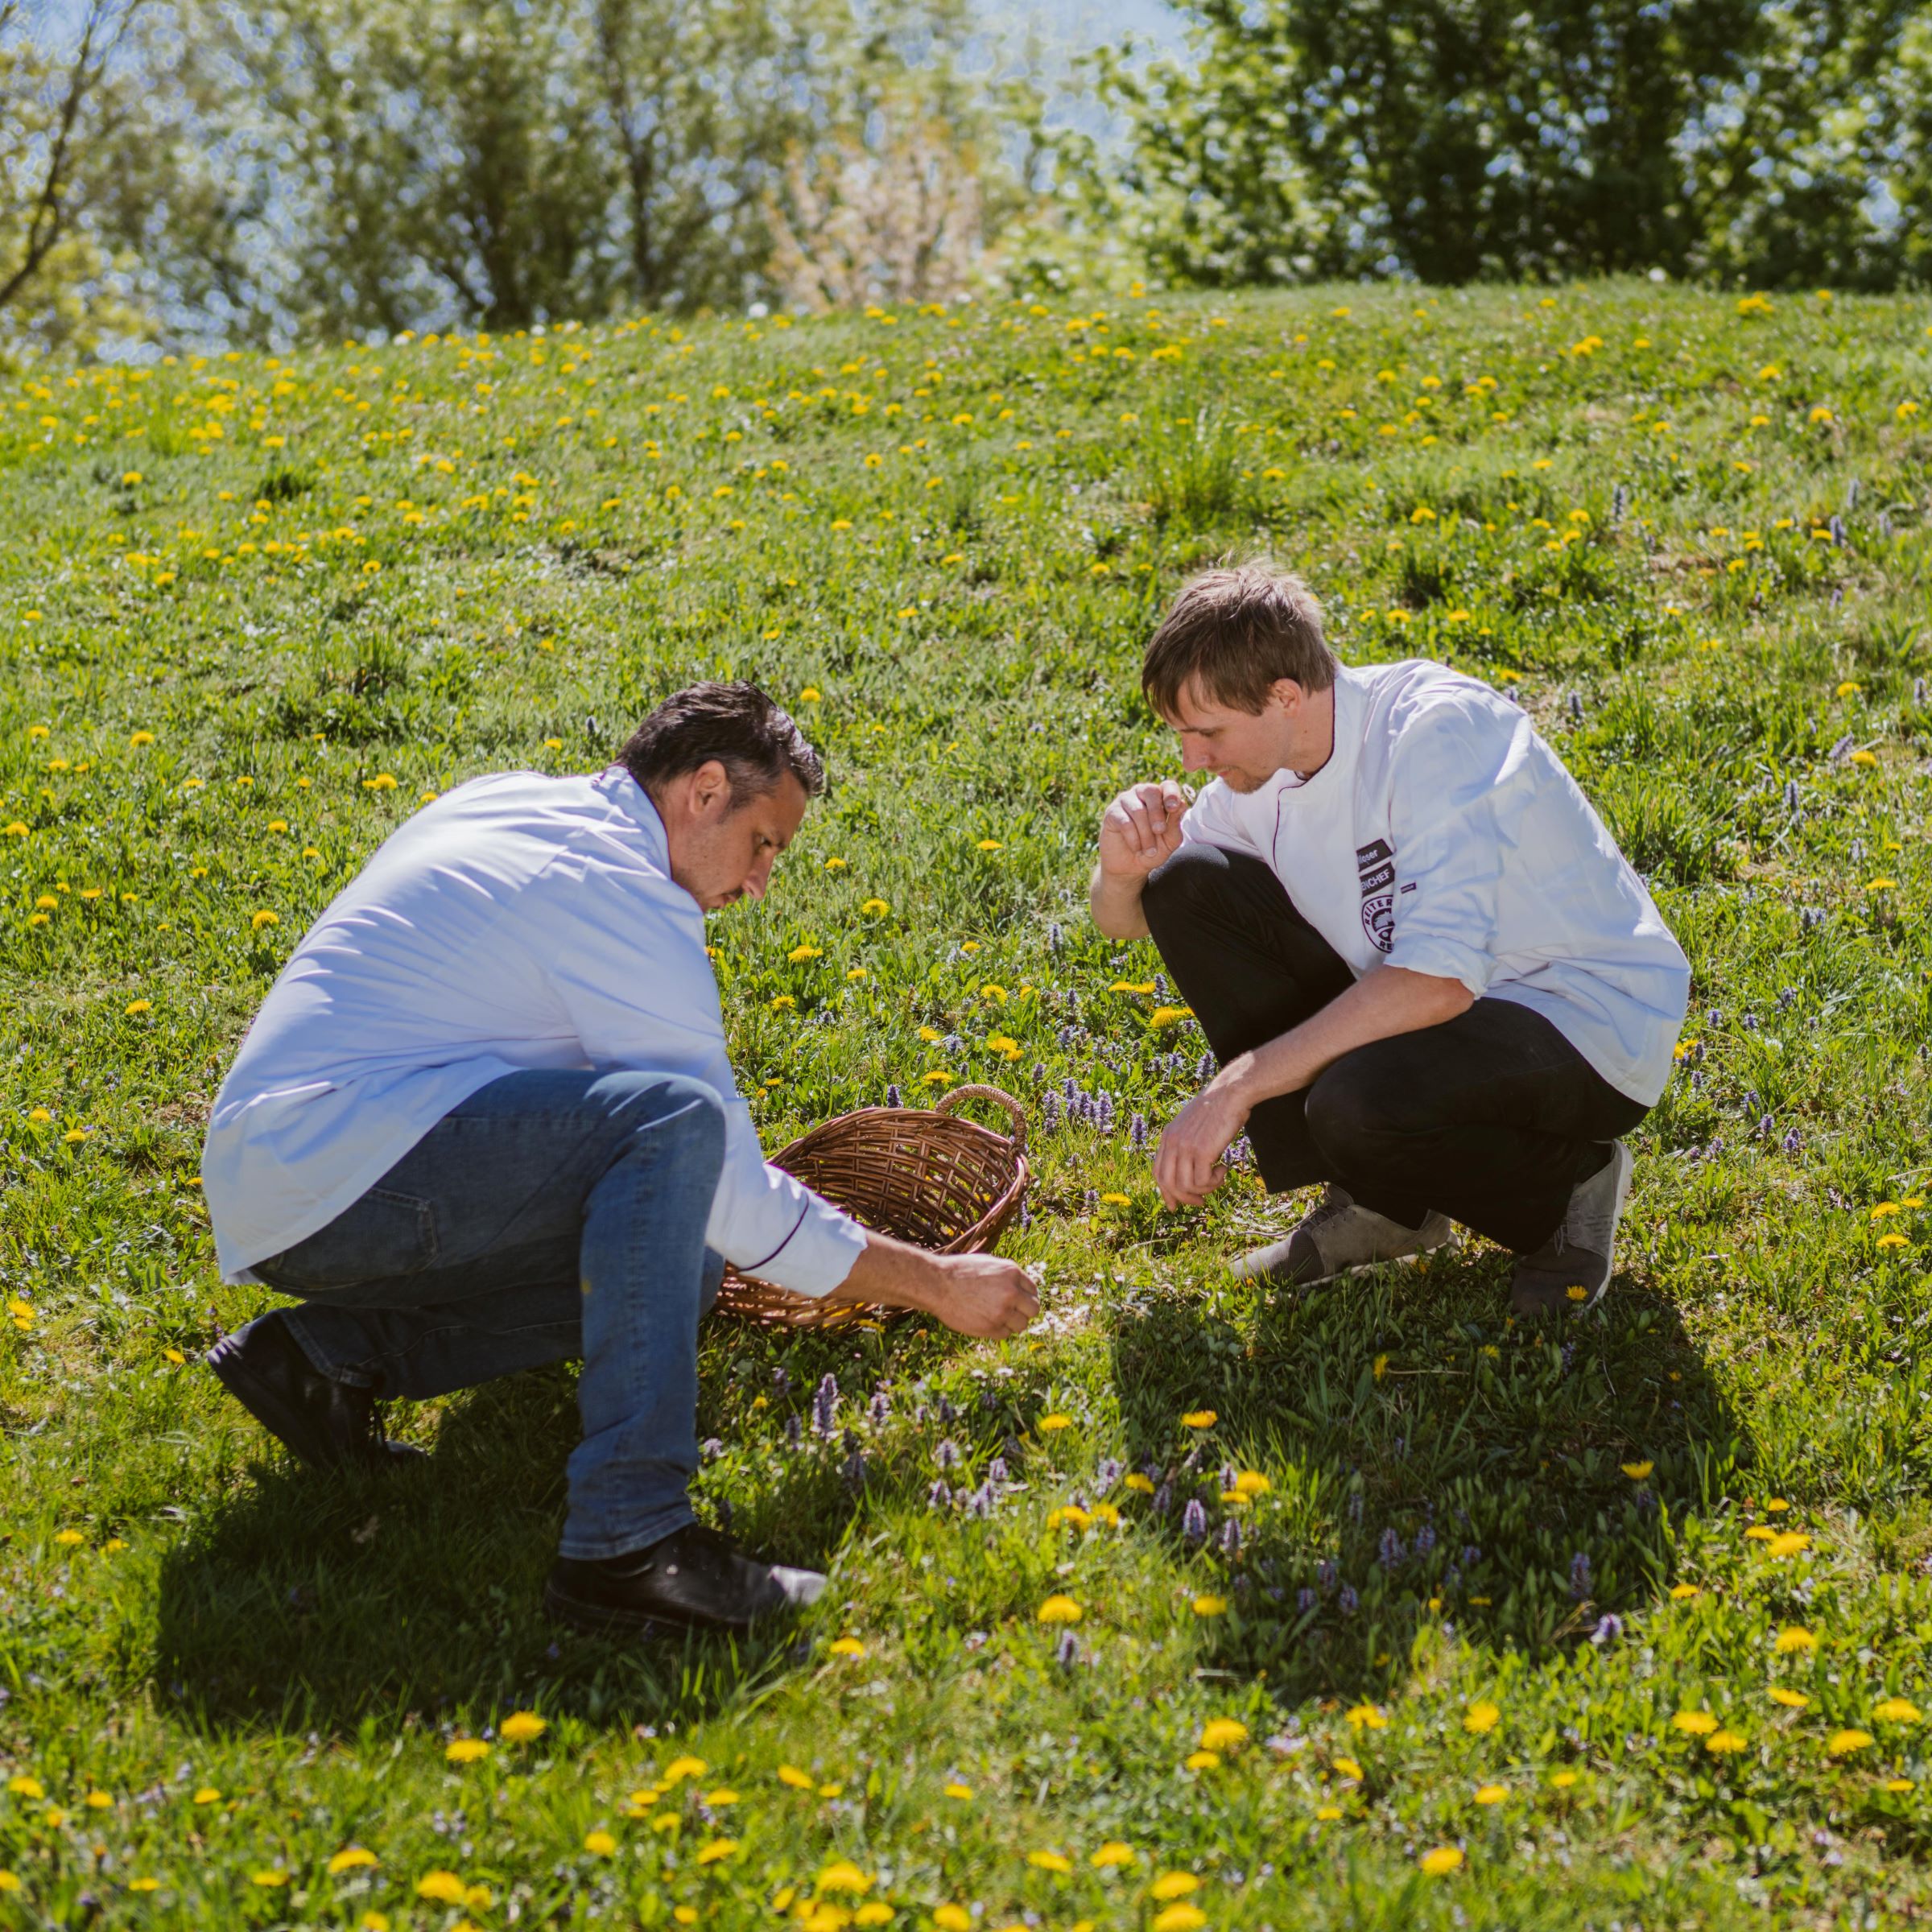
951	1097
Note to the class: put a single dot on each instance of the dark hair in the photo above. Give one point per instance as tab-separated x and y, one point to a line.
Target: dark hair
1233	632
755	741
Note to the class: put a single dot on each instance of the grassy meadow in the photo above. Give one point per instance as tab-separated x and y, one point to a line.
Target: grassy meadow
1200	1606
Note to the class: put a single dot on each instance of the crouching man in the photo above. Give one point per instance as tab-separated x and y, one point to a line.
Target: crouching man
1433	982
485	1121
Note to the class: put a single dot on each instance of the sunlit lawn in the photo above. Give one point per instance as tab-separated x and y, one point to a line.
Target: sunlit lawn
1200	1606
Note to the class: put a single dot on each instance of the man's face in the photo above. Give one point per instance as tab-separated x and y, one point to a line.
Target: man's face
1243	748
720	851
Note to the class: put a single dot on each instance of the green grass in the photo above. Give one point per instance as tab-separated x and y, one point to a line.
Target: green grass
220	554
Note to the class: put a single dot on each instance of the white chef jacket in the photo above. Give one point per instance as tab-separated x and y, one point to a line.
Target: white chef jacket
520	921
1444	835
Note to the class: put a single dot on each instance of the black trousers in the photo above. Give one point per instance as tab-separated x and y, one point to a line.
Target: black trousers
1492	1118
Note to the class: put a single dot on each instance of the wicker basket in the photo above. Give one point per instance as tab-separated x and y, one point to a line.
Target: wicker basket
922	1174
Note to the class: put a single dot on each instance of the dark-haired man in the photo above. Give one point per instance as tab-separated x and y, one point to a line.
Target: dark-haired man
485	1120
1433	982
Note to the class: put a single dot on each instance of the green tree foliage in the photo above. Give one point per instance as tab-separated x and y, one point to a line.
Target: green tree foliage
1458	139
71	174
504	162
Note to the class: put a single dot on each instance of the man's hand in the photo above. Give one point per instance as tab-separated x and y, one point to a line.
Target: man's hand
1141	829
972	1293
983	1295
1187	1165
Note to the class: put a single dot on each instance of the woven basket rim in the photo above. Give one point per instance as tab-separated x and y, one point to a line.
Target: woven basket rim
762	1301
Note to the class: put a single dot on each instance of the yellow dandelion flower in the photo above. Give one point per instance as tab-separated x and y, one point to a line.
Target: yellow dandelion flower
1792	1700
1637	1472
522	1727
842	1875
1199	1418
1842	1743
1441	1861
1694	1723
1366	1717
1794	1636
1223	1734
1491	1794
1210	1606
351	1857
465	1750
602	1844
1115	1851
1481	1717
1896	1711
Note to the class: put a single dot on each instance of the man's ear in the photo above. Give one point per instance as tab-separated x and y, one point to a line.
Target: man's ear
1287	693
710	783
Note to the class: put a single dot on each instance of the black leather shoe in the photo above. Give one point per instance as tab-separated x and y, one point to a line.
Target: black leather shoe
329	1424
692	1579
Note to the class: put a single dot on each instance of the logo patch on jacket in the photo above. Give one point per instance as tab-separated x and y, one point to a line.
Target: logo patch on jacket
1375	866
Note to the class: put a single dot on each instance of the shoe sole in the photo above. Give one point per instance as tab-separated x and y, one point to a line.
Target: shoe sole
1281	1278
606	1620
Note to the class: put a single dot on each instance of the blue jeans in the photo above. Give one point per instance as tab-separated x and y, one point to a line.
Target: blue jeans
552	1215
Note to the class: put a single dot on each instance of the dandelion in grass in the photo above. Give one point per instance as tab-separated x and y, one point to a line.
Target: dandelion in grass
1792	1700
351	1857
522	1727
1481	1717
1896	1711
1843	1743
1793	1637
1049	1861
1694	1723
466	1750
842	1875
1441	1860
1057	1609
1366	1717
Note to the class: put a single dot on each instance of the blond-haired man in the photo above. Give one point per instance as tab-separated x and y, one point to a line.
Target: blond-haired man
1434	983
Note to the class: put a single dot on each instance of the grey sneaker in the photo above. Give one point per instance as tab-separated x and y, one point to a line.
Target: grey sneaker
1336	1235
1571	1270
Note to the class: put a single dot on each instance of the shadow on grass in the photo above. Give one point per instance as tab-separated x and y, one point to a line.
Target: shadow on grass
316	1602
1428	1460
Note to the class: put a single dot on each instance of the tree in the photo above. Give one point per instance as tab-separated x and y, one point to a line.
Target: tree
505	162
65	114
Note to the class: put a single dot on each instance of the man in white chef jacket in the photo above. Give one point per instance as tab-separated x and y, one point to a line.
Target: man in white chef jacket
1434	985
485	1120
